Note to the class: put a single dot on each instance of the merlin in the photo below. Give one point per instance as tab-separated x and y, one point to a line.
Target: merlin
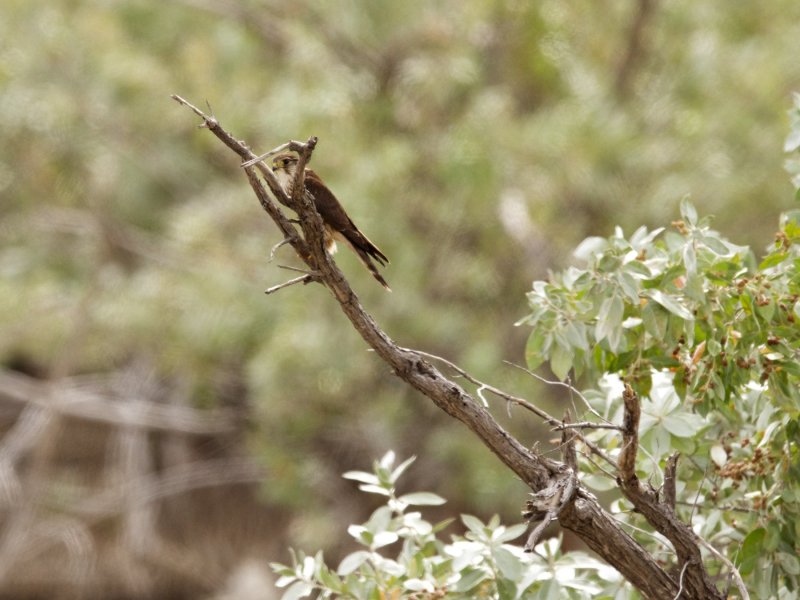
338	225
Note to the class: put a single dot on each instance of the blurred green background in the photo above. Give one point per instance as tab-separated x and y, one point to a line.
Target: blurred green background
475	142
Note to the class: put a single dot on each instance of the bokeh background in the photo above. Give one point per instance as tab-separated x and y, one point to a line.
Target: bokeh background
166	429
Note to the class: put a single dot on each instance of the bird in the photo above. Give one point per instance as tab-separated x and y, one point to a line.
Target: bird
338	225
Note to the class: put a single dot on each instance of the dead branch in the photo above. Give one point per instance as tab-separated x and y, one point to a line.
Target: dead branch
565	384
136	494
587	425
630	436
546	504
568	436
555	489
68	399
694	581
669	480
521	402
304	280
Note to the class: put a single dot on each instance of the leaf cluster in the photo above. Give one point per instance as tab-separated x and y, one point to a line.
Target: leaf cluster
414	562
708	337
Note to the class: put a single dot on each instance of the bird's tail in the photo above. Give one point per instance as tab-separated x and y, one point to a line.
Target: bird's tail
365	258
366	254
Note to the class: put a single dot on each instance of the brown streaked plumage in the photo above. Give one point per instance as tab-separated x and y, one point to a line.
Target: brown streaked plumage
338	225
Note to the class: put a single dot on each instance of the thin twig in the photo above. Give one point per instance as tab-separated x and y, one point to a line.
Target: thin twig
547	418
266	155
570	387
479	393
737	577
657	537
304	279
588	456
680	581
723	507
272	252
697	496
194	109
292	145
587	425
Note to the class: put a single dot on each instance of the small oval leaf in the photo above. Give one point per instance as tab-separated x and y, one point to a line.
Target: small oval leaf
422	499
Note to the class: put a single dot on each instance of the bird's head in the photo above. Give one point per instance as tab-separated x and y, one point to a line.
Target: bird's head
284	163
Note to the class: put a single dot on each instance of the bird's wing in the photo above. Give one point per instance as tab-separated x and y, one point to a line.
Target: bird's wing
335	217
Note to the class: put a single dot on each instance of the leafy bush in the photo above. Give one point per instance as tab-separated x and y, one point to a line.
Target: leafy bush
480	564
709	339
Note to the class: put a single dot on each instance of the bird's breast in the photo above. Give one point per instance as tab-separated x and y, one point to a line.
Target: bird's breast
284	179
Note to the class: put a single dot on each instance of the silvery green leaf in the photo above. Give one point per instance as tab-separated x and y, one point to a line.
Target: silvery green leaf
422	499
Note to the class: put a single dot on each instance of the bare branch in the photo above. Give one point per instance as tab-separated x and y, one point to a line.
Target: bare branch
587	425
71	400
312	274
669	480
272	252
290	145
568	451
680	581
556	489
497	392
193	108
547	418
304	280
696	582
630	435
534	470
298	185
737	577
546	504
570	387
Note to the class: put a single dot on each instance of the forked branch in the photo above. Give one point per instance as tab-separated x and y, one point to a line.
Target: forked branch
693	577
556	490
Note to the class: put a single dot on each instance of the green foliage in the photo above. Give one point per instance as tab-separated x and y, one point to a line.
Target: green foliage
479	564
709	339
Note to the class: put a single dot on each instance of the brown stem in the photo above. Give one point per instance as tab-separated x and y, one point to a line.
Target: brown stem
669	480
694	580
